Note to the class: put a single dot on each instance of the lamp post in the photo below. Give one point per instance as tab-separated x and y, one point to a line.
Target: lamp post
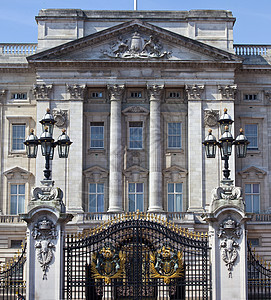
47	143
225	142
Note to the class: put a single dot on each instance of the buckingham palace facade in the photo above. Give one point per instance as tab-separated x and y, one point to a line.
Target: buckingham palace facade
137	92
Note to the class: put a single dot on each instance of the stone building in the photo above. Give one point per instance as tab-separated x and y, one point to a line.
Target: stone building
137	92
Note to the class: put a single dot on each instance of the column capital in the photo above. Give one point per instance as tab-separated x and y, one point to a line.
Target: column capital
42	91
115	91
76	91
227	92
194	91
155	91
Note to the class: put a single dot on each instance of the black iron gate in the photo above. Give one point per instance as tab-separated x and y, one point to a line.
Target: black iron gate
259	277
137	257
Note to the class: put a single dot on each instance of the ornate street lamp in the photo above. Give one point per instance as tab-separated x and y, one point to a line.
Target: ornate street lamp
47	143
225	143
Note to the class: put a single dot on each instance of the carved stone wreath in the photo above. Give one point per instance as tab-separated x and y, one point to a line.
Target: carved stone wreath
44	231
229	232
211	117
60	117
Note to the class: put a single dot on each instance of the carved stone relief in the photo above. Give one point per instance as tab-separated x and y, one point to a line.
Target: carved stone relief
42	91
194	92
60	117
47	193
137	47
211	117
44	232
76	91
227	92
229	232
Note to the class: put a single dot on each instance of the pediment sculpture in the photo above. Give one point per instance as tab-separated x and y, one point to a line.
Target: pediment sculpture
137	47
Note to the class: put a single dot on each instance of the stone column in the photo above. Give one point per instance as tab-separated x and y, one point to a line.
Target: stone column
195	138
228	243
115	169
46	220
155	167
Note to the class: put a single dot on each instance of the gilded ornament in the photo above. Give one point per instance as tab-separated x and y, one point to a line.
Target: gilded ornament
166	264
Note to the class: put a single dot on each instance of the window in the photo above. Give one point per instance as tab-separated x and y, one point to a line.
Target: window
97	135
254	242
136	94
252	197
96	95
16	244
175	196
174	95
136	196
174	135
135	135
19	96
250	97
17	198
251	132
18	136
96	197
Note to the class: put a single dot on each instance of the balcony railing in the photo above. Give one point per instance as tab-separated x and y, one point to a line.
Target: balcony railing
261	218
245	50
18	49
11	219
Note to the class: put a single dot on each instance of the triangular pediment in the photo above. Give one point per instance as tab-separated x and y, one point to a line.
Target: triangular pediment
252	172
17	172
134	41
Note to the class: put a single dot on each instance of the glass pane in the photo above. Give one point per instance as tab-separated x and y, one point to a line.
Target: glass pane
248	188
256	188
256	204
139	187
100	188
21	204
100	203
248	203
131	188
21	189
131	202
13	205
92	203
13	189
170	202
170	187
179	187
179	203
139	202
92	188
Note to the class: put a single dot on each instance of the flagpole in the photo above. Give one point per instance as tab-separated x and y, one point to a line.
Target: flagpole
135	4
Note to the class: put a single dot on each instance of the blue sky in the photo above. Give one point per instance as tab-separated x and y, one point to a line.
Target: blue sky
18	25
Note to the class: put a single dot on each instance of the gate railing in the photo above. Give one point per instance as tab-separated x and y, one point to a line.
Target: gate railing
259	277
12	283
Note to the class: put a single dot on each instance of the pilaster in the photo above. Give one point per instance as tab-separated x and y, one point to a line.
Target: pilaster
115	171
155	167
195	151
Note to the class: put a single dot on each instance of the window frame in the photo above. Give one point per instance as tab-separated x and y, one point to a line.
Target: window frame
175	193
96	198
249	148
90	139
142	135
168	136
17	139
252	194
17	198
136	195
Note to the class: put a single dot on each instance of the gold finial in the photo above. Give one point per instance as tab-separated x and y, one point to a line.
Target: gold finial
210	131
225	110
63	130
45	128
226	127
206	235
31	130
48	110
241	130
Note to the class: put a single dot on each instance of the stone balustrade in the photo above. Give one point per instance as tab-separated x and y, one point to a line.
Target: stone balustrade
13	219
18	49
245	50
261	218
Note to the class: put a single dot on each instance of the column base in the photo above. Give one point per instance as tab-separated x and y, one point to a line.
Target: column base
155	209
